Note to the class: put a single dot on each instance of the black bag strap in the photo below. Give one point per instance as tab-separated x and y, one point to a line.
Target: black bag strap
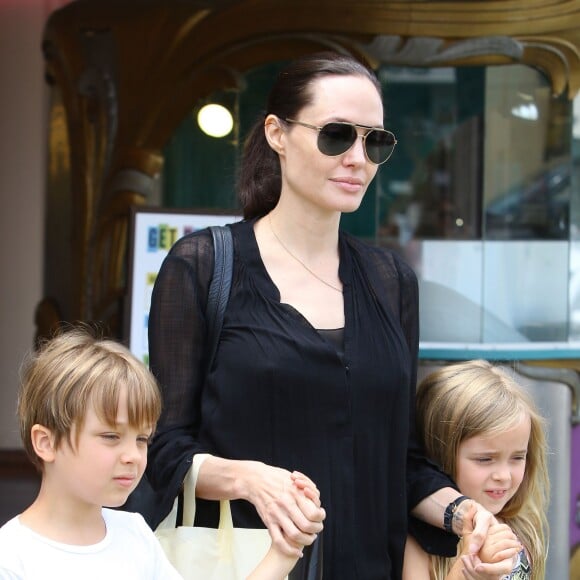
217	301
219	288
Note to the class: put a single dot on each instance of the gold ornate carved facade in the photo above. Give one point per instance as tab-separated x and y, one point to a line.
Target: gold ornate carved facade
125	73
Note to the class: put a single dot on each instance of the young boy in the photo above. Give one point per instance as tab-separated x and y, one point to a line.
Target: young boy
87	409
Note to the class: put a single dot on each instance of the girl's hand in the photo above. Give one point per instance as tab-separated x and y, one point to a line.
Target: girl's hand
500	544
307	486
475	569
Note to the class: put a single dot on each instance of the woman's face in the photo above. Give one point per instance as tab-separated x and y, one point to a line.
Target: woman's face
330	184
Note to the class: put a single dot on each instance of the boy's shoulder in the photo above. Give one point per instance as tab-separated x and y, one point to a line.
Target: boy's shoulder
126	533
12	543
10	530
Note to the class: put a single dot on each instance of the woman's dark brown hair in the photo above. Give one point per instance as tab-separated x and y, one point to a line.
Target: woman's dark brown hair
259	180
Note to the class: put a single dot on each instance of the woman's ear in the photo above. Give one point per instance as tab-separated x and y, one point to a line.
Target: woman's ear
42	440
275	133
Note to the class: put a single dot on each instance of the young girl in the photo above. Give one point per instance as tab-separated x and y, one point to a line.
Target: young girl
483	429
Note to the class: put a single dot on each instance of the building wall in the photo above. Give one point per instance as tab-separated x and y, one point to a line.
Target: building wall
23	97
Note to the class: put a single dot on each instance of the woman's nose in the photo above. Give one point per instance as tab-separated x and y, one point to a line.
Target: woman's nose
356	154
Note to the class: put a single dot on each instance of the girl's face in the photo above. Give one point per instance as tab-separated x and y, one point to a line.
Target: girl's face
490	469
330	184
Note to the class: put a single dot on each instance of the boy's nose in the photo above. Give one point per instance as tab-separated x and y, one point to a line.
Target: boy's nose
131	454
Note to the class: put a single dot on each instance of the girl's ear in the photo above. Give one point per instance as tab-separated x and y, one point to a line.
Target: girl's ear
43	442
275	133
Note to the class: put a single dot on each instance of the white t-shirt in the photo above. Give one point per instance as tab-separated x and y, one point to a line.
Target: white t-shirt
129	551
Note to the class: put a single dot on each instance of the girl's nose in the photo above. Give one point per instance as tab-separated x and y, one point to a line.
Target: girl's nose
502	473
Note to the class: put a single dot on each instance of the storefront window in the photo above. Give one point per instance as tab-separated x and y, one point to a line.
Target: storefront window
479	198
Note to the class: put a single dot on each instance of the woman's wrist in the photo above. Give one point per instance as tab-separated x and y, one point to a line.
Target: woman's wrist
453	517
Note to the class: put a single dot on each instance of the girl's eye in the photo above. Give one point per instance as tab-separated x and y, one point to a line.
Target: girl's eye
483	459
144	439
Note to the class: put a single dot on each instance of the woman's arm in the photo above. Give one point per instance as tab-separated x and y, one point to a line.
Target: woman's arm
177	350
468	518
177	337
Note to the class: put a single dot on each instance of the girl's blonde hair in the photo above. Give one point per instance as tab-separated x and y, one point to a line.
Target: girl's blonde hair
472	398
75	370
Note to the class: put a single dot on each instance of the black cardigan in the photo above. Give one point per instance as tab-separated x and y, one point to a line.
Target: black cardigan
280	393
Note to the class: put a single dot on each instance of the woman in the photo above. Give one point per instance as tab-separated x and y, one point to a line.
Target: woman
316	365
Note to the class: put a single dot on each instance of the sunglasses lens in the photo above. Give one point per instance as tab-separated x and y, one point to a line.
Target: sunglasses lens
379	145
336	138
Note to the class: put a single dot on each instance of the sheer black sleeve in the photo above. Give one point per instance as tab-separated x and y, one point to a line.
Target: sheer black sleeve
177	331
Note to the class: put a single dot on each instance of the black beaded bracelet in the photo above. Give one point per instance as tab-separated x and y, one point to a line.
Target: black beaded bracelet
450	511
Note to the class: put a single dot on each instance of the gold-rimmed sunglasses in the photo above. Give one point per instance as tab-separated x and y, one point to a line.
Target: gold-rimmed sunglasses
338	137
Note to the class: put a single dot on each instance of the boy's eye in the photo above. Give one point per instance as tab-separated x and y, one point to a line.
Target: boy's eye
110	436
144	439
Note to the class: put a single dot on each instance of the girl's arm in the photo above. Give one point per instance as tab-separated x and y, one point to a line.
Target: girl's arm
416	562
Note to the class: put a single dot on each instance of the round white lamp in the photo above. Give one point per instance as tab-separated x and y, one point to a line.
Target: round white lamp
215	120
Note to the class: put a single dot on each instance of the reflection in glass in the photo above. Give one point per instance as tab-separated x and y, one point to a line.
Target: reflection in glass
478	198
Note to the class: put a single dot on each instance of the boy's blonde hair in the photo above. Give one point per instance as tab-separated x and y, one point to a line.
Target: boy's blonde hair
474	398
74	370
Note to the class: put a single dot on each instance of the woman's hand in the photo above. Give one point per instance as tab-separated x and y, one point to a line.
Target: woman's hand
471	518
288	503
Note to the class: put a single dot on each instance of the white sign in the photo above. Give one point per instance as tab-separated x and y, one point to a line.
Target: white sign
154	233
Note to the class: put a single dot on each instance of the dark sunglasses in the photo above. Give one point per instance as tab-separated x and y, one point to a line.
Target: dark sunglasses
337	138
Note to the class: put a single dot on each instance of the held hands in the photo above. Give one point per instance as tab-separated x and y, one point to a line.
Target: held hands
289	505
499	550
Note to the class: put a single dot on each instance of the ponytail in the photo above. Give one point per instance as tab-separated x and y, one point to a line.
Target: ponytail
259	180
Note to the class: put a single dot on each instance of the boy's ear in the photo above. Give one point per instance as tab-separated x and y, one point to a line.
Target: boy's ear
43	442
274	133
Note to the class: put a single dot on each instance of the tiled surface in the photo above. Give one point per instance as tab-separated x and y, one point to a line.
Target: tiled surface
15	495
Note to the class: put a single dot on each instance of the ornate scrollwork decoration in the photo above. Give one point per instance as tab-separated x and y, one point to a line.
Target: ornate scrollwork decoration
430	51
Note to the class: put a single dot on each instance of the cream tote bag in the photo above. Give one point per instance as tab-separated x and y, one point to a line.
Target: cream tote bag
197	553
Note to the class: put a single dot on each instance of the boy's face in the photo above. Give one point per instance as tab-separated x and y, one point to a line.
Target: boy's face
107	462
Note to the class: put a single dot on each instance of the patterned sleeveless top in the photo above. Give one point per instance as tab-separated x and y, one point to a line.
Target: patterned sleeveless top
522	570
